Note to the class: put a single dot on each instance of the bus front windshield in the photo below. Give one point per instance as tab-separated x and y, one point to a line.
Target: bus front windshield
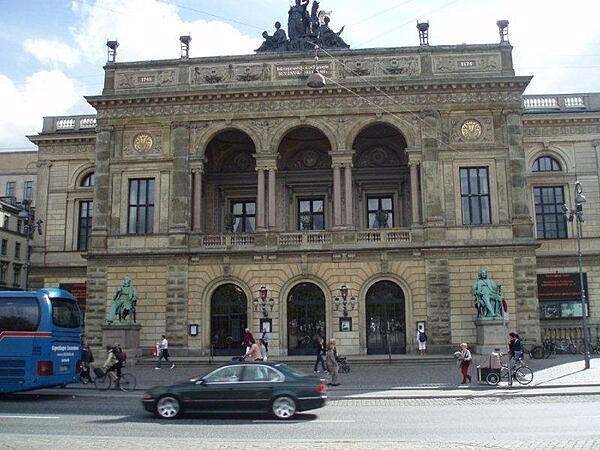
65	313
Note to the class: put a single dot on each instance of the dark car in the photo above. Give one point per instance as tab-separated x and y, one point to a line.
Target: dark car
249	387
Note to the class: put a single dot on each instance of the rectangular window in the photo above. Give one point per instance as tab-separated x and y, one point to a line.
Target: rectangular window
10	188
3	269
475	196
84	226
550	220
17	250
141	206
380	212
4	249
16	275
244	216
19	226
310	214
5	222
28	190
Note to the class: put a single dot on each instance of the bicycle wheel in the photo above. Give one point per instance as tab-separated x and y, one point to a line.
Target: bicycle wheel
524	375
537	352
103	383
127	382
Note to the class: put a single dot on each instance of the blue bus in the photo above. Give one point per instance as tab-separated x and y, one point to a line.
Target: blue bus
40	339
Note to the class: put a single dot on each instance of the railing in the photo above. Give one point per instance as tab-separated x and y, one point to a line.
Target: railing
554	102
304	238
227	240
69	123
557	334
382	236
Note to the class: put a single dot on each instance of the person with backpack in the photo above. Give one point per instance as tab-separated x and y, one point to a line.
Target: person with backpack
163	352
422	341
114	360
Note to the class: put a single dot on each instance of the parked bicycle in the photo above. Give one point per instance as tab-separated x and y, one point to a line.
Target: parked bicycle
567	347
546	350
104	379
520	373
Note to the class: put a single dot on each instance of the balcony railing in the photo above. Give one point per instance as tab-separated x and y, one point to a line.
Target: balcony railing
554	102
69	123
309	239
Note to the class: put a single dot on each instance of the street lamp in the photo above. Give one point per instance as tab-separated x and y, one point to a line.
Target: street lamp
30	228
260	304
577	214
345	302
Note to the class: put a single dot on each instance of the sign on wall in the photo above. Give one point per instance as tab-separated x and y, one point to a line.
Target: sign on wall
559	295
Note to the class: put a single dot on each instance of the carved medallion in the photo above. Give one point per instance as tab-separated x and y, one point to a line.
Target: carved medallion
471	129
143	142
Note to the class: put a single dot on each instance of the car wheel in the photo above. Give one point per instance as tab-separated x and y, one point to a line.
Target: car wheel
283	407
168	407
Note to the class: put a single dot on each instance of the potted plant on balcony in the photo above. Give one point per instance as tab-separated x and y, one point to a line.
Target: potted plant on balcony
228	221
382	218
306	220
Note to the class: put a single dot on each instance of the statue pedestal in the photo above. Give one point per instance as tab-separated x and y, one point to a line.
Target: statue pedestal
128	335
491	334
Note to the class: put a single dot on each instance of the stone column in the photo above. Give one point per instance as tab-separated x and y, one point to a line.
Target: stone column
522	222
337	195
348	193
414	194
596	144
102	210
272	206
197	172
180	191
260	199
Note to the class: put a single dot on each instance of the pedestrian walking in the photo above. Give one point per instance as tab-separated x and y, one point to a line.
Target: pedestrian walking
163	352
264	337
263	349
465	358
87	359
422	341
247	340
320	352
332	364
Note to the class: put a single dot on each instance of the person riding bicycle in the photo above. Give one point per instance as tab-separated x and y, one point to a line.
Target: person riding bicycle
114	361
515	346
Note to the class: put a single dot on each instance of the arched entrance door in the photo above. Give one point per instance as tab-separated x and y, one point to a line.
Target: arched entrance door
228	319
306	318
386	322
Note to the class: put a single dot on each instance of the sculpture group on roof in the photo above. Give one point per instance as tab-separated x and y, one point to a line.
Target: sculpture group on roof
304	31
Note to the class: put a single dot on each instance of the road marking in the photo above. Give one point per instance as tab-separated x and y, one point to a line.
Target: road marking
29	417
305	421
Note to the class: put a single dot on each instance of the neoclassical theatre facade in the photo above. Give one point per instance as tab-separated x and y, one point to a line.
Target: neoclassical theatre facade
236	196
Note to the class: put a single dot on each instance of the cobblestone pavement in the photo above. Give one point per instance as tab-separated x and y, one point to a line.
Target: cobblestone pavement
110	443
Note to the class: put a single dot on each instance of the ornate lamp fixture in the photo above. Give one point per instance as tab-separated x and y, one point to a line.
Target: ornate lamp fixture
503	29
261	303
185	46
315	79
347	304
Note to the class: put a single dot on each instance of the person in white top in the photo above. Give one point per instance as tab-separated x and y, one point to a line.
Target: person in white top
163	352
422	341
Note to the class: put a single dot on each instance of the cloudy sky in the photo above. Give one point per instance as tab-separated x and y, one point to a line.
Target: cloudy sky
52	51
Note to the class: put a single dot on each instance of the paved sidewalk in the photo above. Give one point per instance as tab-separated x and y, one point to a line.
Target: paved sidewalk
416	378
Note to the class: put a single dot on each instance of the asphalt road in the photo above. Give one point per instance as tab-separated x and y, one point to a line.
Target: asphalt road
33	421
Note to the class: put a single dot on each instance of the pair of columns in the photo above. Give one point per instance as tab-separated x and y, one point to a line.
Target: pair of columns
266	192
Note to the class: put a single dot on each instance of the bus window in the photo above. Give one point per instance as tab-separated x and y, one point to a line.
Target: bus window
19	314
65	313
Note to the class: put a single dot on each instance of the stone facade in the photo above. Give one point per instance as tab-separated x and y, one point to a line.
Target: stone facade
214	134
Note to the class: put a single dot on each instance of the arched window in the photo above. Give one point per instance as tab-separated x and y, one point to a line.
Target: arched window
88	180
546	164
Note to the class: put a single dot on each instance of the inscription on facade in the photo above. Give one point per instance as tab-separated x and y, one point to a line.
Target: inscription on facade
300	70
